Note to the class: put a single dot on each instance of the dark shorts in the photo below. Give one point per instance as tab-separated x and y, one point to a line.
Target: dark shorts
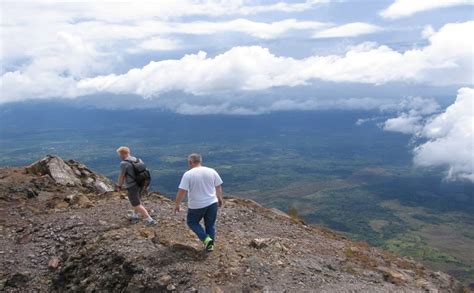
134	195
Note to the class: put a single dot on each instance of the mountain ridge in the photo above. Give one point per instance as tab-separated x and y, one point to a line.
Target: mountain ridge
63	229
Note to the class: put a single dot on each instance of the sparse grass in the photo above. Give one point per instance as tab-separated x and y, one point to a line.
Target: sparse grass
361	255
415	246
293	213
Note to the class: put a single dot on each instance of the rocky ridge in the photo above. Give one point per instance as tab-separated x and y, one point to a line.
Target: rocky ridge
63	228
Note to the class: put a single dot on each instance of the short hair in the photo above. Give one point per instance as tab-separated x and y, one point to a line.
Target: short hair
195	158
123	150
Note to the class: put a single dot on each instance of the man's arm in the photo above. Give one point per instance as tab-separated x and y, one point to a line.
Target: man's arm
121	180
220	199
218	184
179	198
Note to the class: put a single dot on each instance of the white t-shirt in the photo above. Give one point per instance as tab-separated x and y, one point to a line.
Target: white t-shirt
200	183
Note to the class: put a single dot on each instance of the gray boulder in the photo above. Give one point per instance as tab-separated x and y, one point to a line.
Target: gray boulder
91	180
56	168
70	173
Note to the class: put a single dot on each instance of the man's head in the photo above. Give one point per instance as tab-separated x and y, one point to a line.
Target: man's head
194	160
123	152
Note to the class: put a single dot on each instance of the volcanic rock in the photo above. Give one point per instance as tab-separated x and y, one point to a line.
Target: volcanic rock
70	173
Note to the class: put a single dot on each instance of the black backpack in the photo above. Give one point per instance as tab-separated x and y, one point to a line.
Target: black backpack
142	175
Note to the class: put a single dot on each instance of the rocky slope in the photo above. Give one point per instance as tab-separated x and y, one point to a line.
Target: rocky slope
64	229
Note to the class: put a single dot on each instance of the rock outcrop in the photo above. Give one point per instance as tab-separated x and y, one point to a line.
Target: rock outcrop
63	236
70	173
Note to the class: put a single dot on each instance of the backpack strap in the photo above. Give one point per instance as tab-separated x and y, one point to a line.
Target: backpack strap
133	166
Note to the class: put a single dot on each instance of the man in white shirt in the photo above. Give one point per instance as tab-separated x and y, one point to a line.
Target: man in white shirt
204	188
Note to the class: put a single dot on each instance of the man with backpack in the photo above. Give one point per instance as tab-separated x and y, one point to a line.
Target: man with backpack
135	178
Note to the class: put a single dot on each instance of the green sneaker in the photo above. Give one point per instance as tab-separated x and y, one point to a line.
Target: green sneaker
207	239
209	244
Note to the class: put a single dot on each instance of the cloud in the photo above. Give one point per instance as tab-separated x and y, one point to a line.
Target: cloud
281	6
442	139
144	34
446	60
405	123
450	139
156	44
403	8
122	28
57	72
57	11
256	29
427	32
412	113
348	30
254	103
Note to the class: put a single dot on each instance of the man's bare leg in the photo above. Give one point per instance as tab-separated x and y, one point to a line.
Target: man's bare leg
140	209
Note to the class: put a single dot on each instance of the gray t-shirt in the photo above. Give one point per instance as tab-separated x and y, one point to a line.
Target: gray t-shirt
126	168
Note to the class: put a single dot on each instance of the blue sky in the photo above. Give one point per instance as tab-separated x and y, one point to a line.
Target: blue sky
413	59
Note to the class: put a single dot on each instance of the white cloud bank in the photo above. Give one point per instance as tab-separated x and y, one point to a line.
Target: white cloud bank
119	27
450	139
447	60
412	115
20	11
405	123
29	40
255	29
403	8
348	30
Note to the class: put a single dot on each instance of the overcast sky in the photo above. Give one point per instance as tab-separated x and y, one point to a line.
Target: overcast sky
250	57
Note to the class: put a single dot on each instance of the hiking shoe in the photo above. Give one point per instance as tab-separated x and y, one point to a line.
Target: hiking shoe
133	217
210	246
150	222
207	239
209	243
